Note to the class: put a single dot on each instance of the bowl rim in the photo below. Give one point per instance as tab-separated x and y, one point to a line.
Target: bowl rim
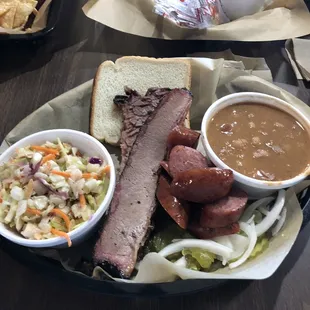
254	97
56	241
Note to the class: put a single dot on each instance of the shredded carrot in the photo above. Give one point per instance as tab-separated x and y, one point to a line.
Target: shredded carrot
61	173
47	158
45	149
62	234
82	201
90	176
1	200
33	211
29	189
106	170
49	166
63	215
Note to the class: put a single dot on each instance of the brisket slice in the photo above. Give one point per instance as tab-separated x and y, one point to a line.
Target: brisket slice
134	202
136	110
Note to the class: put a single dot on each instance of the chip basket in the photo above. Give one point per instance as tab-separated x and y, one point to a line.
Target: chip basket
52	19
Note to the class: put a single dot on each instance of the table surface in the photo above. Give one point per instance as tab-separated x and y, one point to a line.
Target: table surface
33	73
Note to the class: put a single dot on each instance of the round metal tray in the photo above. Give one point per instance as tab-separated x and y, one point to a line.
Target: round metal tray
53	269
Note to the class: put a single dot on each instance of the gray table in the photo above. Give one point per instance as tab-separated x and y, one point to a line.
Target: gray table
33	73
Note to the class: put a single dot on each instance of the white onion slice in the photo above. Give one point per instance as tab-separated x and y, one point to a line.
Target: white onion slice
224	240
181	262
237	243
280	223
272	216
249	229
265	212
208	245
251	219
251	208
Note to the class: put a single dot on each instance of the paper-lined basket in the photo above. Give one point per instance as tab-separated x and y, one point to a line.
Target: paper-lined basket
211	79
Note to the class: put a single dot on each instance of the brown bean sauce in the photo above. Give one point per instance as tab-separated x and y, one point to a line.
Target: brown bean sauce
260	141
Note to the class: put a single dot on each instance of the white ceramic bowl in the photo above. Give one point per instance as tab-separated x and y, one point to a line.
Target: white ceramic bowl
88	146
255	188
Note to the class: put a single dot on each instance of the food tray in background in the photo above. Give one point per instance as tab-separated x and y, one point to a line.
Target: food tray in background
52	19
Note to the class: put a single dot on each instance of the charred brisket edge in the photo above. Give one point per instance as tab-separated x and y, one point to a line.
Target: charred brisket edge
107	264
121	99
141	133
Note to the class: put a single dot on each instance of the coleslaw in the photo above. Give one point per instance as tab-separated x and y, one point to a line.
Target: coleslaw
51	189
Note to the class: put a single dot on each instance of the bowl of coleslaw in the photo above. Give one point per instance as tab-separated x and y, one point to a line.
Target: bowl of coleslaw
55	186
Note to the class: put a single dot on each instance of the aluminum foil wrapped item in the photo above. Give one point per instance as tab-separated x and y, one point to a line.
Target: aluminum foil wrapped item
192	13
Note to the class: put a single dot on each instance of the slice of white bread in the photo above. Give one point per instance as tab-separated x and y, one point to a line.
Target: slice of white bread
138	73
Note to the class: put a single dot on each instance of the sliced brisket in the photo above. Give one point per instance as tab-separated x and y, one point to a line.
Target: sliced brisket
134	202
136	110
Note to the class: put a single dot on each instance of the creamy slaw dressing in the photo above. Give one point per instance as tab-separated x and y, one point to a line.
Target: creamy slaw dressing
51	189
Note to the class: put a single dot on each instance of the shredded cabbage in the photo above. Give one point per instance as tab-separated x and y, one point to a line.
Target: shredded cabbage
39	179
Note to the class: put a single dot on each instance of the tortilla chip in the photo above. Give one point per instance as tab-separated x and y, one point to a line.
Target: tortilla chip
4	8
7	18
23	11
15	13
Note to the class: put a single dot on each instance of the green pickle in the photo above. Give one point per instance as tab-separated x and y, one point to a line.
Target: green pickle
198	258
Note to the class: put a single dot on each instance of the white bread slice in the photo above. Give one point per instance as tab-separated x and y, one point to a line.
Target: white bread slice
138	73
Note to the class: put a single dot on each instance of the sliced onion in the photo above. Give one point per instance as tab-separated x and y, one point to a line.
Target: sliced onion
249	229
272	216
249	211
265	212
224	240
280	223
181	262
251	219
208	245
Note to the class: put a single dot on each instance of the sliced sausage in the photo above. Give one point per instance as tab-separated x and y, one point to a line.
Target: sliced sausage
175	208
182	136
209	233
202	185
184	158
225	211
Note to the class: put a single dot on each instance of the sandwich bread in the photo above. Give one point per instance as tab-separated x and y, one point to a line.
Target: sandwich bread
138	73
